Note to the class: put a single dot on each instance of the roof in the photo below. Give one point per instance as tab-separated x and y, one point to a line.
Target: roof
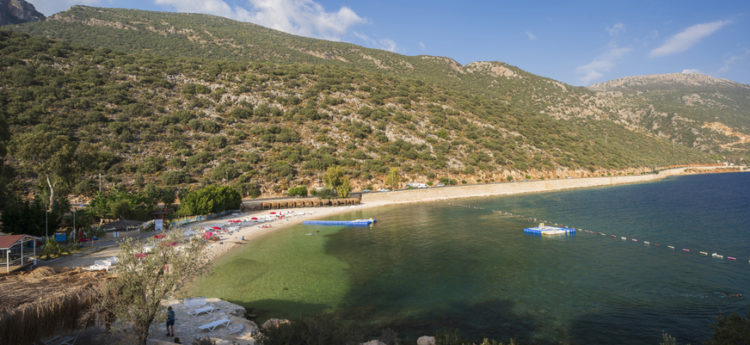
8	241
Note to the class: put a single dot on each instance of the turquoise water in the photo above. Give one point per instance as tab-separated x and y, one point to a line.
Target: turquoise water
444	266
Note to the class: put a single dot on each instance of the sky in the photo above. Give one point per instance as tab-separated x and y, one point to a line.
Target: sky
577	42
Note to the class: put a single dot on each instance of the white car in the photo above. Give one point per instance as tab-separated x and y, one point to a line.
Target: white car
383	190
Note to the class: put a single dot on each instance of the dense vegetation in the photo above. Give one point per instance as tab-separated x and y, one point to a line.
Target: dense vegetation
138	119
663	111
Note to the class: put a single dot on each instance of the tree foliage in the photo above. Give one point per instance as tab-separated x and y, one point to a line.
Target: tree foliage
146	277
334	178
298	191
210	199
731	329
393	178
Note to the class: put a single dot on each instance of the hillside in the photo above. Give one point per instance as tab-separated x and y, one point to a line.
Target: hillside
177	121
703	124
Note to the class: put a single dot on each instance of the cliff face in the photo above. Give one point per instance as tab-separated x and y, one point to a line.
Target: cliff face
18	11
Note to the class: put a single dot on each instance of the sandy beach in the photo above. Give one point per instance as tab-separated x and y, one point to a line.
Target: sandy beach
294	216
284	218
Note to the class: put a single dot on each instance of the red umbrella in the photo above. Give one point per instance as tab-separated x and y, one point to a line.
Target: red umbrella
215	228
254	218
273	212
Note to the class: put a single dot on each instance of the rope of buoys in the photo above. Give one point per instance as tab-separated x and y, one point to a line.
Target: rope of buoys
634	240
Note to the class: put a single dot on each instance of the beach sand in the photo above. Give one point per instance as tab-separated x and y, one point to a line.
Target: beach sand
295	216
371	200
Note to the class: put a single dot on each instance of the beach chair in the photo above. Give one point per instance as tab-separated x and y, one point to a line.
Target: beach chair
195	302
206	309
61	340
235	328
211	326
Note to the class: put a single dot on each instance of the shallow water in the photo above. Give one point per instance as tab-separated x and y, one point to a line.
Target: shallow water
443	265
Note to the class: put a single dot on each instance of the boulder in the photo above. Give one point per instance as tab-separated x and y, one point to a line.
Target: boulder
275	323
374	342
426	340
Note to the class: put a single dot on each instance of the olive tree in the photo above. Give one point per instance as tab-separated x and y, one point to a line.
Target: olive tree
146	275
334	178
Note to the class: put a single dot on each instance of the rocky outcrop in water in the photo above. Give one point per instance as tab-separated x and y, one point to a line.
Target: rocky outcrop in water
17	12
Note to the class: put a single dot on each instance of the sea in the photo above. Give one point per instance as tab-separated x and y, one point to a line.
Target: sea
467	265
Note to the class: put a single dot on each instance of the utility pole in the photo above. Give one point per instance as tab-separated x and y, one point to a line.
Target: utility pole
46	222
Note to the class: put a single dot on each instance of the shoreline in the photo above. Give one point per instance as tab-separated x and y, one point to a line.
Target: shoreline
295	216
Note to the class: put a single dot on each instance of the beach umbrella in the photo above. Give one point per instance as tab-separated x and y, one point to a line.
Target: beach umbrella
215	228
254	218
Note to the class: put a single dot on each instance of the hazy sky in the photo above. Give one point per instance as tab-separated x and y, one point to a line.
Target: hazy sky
578	42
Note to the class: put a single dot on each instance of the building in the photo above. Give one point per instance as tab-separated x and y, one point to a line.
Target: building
14	251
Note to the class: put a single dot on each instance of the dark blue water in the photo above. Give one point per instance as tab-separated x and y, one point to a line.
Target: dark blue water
436	266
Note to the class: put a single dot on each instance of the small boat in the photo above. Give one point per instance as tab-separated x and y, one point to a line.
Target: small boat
646	242
623	238
635	240
685	250
670	247
717	256
731	258
703	253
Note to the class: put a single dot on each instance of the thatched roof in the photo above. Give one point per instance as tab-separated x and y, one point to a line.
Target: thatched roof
44	301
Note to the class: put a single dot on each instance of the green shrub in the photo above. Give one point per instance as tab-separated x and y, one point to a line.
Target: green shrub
298	191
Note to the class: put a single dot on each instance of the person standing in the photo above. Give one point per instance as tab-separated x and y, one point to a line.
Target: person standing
170	322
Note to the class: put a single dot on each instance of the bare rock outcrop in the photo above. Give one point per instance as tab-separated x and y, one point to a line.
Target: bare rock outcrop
17	12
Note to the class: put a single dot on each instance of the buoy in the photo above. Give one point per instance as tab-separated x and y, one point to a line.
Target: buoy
656	244
703	253
670	247
635	240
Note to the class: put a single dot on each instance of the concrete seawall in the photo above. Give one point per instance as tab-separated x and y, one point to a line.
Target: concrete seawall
498	189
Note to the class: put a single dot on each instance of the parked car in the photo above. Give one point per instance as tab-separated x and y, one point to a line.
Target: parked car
383	190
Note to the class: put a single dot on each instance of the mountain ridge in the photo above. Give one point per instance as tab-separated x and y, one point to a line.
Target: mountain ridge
18	11
667	79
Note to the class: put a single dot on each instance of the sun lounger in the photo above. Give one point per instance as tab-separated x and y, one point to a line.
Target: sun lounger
61	340
206	309
194	302
212	325
235	328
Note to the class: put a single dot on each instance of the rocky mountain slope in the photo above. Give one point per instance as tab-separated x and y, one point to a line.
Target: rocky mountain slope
18	11
698	110
207	99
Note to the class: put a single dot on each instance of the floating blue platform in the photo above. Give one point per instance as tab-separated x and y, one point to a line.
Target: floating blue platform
356	222
542	230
